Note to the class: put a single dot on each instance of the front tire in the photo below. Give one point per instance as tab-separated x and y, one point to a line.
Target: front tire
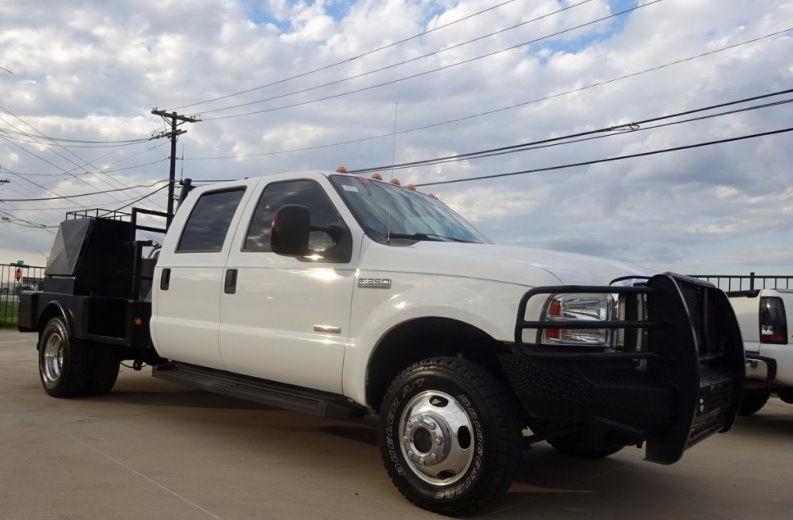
64	362
448	435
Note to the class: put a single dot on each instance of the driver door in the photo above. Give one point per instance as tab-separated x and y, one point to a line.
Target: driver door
287	319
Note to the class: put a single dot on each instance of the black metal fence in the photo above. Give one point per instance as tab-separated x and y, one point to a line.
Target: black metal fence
750	282
15	278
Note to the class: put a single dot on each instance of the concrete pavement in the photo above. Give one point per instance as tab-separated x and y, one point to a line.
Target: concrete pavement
152	449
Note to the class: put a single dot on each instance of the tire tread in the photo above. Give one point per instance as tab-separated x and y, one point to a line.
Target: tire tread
501	406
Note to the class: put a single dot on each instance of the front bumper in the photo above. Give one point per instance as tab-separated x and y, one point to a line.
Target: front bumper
678	379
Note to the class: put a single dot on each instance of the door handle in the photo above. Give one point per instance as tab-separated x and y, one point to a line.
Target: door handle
165	279
230	283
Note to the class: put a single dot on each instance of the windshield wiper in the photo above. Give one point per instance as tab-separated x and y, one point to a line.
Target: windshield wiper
426	236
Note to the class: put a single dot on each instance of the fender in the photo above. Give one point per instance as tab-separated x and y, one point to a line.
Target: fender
489	306
64	312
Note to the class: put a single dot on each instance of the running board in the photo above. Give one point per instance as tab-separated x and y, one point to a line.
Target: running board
261	391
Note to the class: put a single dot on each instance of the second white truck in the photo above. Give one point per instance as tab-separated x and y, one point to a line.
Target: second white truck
768	339
341	296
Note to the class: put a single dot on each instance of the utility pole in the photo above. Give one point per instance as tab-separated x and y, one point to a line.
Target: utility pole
176	120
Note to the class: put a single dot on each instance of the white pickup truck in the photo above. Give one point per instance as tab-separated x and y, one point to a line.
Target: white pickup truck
768	340
341	295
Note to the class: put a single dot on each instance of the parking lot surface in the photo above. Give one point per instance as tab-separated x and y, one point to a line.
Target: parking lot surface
152	449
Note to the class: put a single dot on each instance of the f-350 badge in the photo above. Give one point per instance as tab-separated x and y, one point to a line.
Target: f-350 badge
374	283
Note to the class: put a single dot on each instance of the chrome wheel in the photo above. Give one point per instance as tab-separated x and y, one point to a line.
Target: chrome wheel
436	437
52	362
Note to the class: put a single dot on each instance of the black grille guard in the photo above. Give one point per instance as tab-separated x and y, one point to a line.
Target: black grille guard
677	379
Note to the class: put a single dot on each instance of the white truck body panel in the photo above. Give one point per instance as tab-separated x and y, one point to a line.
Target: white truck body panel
747	311
185	320
266	329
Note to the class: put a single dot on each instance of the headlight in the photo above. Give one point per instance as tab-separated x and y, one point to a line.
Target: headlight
585	307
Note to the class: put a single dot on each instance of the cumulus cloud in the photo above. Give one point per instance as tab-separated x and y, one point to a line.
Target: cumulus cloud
90	69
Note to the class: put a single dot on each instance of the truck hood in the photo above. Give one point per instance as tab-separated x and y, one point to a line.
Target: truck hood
508	264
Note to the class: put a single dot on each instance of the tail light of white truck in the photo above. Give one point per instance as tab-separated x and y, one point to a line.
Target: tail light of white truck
773	320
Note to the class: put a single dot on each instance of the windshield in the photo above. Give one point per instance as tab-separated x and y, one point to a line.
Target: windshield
385	210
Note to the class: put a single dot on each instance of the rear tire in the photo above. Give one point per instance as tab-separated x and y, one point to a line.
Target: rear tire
65	366
104	370
448	435
753	402
586	444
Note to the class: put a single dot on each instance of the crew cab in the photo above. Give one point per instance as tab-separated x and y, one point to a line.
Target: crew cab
768	339
341	295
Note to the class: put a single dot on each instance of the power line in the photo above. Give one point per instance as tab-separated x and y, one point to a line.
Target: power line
46	189
120	159
105	180
600	133
346	60
436	69
151	137
504	108
13	219
14	135
51	150
143	197
611	159
51	208
98	172
400	63
84	194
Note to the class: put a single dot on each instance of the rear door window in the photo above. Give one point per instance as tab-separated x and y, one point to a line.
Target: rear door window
208	224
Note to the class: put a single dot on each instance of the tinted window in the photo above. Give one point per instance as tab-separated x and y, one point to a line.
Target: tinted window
307	193
208	223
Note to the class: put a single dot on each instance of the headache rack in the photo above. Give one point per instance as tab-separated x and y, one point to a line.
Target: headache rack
676	378
99	274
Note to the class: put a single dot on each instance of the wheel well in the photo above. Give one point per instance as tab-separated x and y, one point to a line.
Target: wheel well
52	310
424	338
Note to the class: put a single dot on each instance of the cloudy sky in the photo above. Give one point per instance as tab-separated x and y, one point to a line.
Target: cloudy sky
93	70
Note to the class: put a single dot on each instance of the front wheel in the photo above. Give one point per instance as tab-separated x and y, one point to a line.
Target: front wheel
448	435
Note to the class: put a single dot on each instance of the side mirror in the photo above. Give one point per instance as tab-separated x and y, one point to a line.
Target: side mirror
290	230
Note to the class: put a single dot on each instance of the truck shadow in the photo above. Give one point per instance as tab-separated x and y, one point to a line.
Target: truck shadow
132	389
548	484
178	398
767	425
